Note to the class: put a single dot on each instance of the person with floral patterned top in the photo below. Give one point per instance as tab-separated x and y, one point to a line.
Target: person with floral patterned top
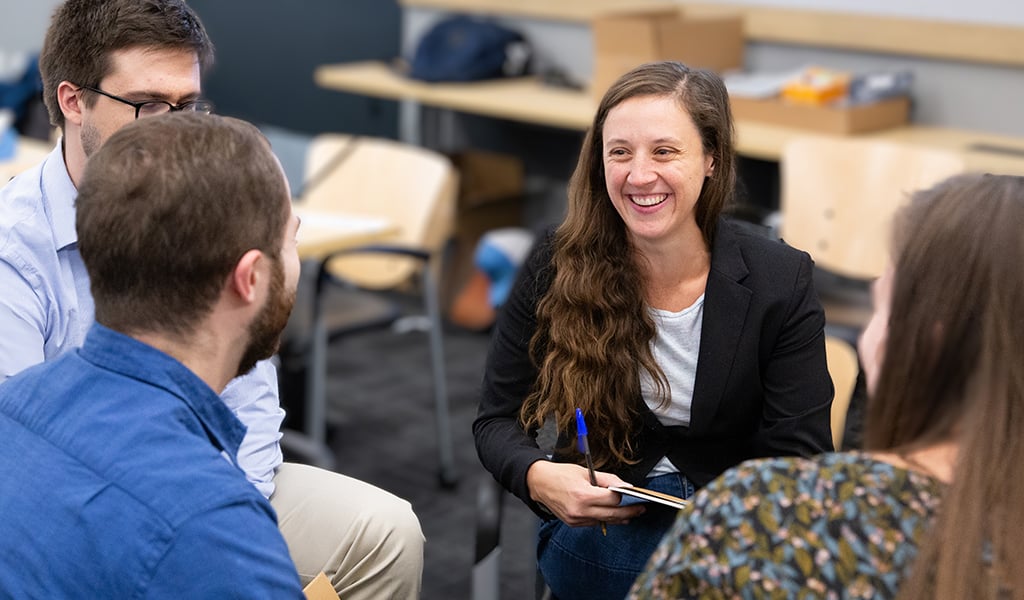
796	528
934	507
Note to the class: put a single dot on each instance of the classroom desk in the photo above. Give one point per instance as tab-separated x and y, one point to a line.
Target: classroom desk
319	234
520	99
529	101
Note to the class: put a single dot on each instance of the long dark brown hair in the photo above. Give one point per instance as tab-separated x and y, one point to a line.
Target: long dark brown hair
953	371
594	332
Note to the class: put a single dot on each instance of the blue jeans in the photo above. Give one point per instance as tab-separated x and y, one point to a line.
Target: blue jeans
580	563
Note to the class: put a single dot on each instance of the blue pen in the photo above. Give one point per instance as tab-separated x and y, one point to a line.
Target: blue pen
584	447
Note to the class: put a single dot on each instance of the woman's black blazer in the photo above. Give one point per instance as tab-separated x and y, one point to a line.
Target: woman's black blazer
761	389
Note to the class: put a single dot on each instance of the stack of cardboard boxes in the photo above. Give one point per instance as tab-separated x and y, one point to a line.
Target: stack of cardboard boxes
715	41
623	40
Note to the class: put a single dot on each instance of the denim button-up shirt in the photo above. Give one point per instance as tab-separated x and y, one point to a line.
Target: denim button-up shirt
115	483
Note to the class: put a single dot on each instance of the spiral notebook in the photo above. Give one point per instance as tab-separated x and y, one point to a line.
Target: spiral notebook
651	496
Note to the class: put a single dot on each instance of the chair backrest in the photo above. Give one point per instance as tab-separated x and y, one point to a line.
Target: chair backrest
413	187
839	195
843	367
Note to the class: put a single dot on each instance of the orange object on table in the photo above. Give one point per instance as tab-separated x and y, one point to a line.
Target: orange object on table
817	85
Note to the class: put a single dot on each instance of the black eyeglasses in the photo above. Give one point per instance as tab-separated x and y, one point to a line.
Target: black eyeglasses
152	108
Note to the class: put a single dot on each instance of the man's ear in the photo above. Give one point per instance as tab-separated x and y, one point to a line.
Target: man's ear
246	274
69	97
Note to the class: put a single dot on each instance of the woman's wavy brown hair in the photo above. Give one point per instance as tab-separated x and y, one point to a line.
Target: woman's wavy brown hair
594	331
953	371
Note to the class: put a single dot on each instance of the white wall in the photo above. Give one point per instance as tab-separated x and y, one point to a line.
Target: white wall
23	24
995	12
946	93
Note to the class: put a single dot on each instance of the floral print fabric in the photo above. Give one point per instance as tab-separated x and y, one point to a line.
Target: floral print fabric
835	526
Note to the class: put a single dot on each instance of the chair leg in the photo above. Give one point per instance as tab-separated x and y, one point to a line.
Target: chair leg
445	446
487	562
298	445
541	590
316	382
311	444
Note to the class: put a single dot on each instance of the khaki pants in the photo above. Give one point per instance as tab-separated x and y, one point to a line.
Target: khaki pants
368	541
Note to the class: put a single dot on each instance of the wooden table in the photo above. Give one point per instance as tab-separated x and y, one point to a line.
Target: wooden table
27	154
321	233
521	99
529	101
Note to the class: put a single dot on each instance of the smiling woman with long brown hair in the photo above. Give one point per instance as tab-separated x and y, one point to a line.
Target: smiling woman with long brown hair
688	343
934	508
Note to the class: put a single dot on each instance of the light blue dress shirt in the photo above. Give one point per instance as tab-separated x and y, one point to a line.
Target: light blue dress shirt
115	484
46	307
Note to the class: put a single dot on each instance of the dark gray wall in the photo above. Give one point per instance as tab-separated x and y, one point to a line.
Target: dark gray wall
267	51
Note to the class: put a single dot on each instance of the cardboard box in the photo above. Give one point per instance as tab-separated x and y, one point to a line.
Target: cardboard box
486	177
491	188
833	119
623	40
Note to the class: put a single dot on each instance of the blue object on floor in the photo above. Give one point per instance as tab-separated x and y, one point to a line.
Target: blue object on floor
499	254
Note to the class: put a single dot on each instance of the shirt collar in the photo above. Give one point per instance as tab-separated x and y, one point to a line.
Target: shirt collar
60	194
122	354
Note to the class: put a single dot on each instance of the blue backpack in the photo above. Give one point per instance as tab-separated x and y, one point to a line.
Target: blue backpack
463	48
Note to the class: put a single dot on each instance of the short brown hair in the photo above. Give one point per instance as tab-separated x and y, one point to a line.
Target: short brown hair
84	33
166	209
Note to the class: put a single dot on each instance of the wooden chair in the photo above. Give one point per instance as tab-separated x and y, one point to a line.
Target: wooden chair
838	196
843	367
370	287
411	186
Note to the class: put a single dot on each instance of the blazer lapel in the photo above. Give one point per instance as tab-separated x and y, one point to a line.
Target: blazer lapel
726	301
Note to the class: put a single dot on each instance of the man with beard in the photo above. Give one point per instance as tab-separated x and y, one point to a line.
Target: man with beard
105	64
119	458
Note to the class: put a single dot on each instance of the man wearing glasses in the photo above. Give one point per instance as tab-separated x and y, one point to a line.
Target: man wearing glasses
104	64
155	108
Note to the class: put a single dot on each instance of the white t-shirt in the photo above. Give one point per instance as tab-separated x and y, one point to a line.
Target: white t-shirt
676	347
